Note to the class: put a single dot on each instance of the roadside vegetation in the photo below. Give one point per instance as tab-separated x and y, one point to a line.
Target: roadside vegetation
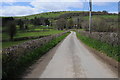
109	50
19	65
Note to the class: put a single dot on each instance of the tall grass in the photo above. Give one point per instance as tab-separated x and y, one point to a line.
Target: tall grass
109	50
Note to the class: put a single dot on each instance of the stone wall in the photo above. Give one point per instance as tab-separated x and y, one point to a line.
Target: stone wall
17	58
24	38
107	37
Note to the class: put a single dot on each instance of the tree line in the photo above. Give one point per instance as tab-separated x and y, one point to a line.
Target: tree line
9	24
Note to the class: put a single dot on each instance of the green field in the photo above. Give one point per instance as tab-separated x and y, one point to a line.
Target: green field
110	16
26	34
103	16
43	33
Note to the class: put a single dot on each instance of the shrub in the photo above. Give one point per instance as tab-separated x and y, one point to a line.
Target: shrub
11	29
100	24
61	24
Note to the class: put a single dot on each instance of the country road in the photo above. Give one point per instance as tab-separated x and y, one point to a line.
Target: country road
72	59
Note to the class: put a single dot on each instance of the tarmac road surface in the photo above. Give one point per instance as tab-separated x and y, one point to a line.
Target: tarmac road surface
73	60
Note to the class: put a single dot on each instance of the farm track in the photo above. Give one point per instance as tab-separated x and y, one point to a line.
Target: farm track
70	59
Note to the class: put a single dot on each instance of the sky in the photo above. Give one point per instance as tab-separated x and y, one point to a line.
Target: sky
29	7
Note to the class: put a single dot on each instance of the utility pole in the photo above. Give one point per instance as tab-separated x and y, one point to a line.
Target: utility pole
90	16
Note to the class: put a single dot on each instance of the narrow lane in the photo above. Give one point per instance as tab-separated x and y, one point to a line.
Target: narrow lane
73	60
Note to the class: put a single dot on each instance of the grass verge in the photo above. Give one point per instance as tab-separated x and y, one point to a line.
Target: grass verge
109	50
16	67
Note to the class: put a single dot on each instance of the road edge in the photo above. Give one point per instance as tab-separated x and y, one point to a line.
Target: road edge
42	62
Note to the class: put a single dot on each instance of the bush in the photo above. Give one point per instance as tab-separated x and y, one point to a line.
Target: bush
61	24
99	24
85	24
11	29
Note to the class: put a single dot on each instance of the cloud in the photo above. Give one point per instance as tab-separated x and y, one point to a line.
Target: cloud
48	6
39	7
16	0
105	0
59	0
17	11
113	12
56	5
8	1
100	3
44	6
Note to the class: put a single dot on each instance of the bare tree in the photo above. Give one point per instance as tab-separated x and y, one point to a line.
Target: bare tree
61	24
70	24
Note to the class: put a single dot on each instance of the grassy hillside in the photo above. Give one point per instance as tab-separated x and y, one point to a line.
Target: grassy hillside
104	16
49	14
57	14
